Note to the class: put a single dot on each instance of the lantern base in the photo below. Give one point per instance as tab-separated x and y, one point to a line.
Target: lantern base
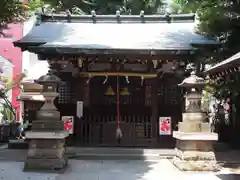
46	151
194	151
196	165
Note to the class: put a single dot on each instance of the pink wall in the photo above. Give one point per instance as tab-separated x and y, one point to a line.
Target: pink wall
13	54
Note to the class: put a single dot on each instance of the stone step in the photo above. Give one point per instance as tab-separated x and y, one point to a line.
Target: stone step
21	144
105	153
119	153
118	150
17	144
118	157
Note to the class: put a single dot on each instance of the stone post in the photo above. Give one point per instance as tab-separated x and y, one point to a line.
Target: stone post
194	139
47	139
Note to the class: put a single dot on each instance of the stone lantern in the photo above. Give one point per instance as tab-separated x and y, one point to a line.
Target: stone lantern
194	139
47	138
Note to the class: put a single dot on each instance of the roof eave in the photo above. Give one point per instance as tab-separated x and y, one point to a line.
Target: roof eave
74	51
208	45
24	45
219	68
225	64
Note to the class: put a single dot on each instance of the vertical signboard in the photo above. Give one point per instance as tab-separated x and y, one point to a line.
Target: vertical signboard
68	123
165	126
79	109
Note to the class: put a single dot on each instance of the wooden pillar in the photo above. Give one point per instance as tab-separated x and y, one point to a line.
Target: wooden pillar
155	110
21	112
82	94
78	84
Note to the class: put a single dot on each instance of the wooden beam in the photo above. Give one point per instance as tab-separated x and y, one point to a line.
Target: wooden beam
125	57
130	74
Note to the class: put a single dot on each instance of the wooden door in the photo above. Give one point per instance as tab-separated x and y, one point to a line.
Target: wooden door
99	123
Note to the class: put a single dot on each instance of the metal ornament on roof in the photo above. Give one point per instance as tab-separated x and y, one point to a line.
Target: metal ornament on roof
192	81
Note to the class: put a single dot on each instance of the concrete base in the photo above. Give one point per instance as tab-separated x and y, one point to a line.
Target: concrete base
195	155
184	165
46	152
195	136
18	144
195	151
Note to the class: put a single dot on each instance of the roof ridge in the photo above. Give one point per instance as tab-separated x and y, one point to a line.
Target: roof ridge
168	18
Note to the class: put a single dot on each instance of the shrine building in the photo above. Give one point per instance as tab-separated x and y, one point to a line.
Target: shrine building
125	69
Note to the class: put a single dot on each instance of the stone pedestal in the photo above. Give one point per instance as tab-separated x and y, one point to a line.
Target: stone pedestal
47	139
194	151
194	140
46	151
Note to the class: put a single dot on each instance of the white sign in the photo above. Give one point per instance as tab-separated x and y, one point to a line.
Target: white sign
165	125
79	109
68	123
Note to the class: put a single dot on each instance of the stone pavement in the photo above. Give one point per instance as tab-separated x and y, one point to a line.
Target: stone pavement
109	170
102	153
12	161
96	153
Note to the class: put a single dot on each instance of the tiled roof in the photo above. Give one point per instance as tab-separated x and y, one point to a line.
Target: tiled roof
130	36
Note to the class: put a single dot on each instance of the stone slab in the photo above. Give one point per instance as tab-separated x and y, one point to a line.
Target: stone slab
46	135
194	127
18	144
194	116
47	114
46	153
47	143
205	127
195	155
192	145
196	165
195	136
189	126
47	125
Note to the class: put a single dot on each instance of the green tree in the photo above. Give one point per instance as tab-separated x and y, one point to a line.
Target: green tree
10	11
219	19
184	6
15	11
108	6
178	6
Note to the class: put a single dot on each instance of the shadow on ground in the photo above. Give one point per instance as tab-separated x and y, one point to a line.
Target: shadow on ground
117	165
96	170
229	159
228	176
